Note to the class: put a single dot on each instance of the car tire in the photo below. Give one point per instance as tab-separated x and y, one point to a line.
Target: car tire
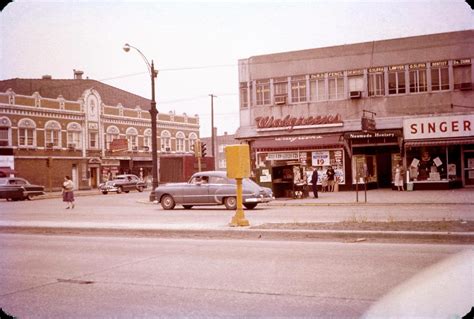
250	206
230	203
167	202
188	206
140	189
127	192
105	192
119	189
29	197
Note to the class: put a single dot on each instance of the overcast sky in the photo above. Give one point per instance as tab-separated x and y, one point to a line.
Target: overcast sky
195	45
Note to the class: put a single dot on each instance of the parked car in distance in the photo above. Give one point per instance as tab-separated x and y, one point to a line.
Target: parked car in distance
16	188
123	183
211	188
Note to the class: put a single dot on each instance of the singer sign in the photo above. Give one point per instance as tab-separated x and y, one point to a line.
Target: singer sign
438	127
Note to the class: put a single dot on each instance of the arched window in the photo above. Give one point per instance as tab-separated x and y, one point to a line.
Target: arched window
52	134
26	133
5	132
112	133
192	141
165	141
132	138
74	135
180	142
147	139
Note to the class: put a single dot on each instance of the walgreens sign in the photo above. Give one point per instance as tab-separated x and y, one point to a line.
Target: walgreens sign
438	127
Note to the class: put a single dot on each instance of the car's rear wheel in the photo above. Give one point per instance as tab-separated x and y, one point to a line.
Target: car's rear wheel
250	206
188	206
127	192
119	189
167	202
230	203
105	192
29	197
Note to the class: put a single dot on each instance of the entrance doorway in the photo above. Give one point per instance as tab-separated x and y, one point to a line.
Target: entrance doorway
94	178
469	168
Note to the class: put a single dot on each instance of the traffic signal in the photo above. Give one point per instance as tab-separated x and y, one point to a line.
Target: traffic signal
203	149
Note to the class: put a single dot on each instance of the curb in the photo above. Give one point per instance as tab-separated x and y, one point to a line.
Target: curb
250	234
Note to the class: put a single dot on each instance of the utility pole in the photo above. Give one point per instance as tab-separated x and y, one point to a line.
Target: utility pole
212	129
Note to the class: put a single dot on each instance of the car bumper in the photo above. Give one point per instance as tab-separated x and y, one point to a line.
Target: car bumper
258	199
108	188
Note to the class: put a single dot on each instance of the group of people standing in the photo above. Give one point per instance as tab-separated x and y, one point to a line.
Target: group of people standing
330	173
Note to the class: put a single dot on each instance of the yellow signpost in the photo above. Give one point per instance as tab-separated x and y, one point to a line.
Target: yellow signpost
238	167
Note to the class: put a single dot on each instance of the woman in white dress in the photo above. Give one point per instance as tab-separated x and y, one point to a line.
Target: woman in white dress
398	178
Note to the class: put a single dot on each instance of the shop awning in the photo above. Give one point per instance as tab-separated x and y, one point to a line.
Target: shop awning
306	141
445	142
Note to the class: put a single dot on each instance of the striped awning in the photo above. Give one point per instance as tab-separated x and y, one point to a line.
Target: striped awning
444	142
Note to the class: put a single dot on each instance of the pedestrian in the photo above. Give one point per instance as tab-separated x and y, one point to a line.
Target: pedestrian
68	192
314	182
398	180
330	176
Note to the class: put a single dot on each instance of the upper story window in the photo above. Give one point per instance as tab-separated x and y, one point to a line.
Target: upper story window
74	135
376	82
280	90
244	95
396	79
462	74
317	85
93	139
298	89
5	132
180	142
439	76
112	133
52	134
165	141
418	81
356	82
336	86
147	139
132	138
192	141
26	133
263	92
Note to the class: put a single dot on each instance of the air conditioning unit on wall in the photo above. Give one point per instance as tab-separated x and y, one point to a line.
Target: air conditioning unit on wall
280	99
355	94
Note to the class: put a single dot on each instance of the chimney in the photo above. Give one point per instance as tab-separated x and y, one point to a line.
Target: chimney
78	74
47	77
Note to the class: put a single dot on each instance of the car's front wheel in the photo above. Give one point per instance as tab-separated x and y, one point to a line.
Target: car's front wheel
140	189
167	202
230	203
188	206
250	205
105	192
119	189
29	197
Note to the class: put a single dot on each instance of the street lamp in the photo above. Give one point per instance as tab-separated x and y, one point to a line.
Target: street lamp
153	114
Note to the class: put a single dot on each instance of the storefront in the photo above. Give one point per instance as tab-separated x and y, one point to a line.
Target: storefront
286	163
374	156
439	151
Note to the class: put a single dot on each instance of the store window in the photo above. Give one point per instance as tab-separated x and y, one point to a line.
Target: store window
280	90
336	86
364	169
26	133
324	159
439	76
396	79
298	89
462	74
418	81
244	95
263	92
376	82
317	84
428	164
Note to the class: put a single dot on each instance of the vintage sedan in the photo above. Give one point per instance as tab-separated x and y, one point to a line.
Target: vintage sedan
16	188
123	183
211	188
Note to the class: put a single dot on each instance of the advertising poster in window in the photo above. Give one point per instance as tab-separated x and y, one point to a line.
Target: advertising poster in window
320	158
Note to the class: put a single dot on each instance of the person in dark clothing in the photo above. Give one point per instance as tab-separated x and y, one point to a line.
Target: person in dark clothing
314	181
330	173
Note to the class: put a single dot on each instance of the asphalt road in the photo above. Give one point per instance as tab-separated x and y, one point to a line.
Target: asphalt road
97	277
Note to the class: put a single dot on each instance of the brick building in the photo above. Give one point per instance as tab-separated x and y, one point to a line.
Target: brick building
363	108
83	128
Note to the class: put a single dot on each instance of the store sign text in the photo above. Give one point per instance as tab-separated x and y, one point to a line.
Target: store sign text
439	127
290	123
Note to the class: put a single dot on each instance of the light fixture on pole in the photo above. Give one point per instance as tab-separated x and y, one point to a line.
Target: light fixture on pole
153	114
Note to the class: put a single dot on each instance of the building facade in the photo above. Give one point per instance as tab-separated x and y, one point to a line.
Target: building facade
362	109
83	128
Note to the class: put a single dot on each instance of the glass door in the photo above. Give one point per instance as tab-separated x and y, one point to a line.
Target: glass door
469	168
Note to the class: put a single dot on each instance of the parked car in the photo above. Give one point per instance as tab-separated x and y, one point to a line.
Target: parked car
211	188
15	188
123	183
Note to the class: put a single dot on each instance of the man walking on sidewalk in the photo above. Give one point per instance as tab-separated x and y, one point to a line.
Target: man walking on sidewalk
314	182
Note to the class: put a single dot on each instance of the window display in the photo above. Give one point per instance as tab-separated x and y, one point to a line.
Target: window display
364	168
427	164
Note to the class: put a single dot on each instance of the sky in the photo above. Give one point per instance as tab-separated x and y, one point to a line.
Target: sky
196	45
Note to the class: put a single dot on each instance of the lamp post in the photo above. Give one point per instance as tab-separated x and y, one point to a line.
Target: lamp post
153	114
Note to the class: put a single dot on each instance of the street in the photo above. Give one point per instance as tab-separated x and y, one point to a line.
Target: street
97	277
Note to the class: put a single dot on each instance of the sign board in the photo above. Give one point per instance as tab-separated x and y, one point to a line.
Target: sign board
320	158
438	127
119	144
